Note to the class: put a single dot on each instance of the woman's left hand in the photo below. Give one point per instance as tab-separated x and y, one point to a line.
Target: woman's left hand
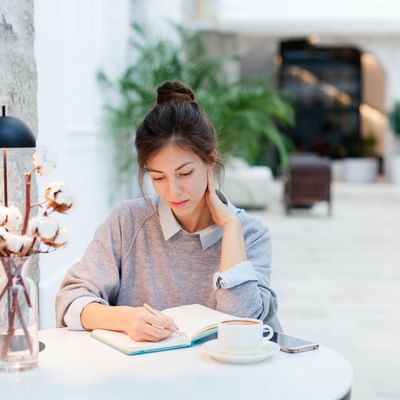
219	211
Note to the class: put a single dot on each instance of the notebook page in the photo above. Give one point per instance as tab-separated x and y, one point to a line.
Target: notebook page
193	318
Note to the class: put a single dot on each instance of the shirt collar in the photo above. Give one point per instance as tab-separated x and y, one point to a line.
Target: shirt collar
170	227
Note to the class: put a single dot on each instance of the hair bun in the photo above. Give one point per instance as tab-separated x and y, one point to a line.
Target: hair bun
174	91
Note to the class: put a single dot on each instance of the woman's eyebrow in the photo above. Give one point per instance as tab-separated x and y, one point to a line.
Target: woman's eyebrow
176	169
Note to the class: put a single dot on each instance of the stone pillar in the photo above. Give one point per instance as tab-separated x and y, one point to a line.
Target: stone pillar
18	88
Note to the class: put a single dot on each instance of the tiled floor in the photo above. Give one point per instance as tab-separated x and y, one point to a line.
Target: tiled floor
338	279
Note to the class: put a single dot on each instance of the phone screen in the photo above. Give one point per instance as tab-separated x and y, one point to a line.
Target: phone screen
293	344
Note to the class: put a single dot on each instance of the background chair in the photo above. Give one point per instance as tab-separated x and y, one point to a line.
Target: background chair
307	182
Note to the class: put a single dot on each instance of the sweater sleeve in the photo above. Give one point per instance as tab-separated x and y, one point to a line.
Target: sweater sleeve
97	274
251	298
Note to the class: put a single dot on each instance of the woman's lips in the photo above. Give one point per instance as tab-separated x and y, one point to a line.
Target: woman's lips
178	204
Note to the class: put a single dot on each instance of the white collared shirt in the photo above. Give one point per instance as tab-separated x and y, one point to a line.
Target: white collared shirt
239	273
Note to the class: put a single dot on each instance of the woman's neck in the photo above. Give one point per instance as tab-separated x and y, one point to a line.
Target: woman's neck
198	220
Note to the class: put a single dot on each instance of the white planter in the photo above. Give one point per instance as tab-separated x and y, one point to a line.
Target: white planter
248	187
360	170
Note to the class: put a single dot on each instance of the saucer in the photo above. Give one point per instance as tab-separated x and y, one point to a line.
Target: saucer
266	350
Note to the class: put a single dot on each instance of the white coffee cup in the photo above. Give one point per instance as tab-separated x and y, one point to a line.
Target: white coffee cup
243	336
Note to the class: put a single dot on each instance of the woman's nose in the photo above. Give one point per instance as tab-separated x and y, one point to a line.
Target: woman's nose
174	187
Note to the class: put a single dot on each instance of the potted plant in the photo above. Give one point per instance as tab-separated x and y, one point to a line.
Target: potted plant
360	163
246	114
394	119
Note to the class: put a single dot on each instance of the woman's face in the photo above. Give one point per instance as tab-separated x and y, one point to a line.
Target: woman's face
180	178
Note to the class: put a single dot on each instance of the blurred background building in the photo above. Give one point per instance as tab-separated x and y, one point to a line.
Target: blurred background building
288	43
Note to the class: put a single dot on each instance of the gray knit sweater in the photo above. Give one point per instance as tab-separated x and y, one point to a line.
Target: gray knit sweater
130	262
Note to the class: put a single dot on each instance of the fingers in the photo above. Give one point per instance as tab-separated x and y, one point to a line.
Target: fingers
161	320
155	333
211	188
214	195
149	327
210	180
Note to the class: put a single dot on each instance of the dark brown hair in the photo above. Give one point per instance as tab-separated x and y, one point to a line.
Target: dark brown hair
175	119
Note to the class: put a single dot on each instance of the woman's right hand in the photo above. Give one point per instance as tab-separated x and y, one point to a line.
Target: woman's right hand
140	324
143	326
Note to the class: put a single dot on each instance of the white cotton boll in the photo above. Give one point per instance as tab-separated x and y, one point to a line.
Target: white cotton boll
33	226
60	240
14	218
47	228
44	161
64	198
3	232
52	189
58	197
58	185
14	243
3	215
27	242
43	227
3	237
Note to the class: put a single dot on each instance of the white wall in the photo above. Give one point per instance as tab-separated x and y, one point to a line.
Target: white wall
155	13
308	16
264	9
73	39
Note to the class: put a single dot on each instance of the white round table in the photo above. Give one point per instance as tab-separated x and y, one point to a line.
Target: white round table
76	366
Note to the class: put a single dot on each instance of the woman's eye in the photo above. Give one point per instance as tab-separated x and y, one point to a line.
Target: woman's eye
186	173
157	178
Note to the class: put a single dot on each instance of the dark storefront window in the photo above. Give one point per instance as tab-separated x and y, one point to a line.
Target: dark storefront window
325	85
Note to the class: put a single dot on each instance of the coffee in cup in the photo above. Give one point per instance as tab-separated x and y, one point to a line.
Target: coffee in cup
243	336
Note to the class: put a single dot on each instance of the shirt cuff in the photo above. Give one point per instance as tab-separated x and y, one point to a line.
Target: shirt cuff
238	274
72	317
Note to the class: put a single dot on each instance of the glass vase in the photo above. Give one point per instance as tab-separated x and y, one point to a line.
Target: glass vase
19	341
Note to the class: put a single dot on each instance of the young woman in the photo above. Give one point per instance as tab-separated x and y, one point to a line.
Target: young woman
184	246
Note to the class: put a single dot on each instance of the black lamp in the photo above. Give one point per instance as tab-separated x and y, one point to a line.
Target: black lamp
13	133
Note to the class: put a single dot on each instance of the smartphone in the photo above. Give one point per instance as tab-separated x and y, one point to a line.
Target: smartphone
293	344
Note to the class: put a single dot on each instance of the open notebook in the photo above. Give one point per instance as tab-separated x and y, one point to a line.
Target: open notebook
196	323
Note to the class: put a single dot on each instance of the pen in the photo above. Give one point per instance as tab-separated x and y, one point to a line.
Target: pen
158	314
